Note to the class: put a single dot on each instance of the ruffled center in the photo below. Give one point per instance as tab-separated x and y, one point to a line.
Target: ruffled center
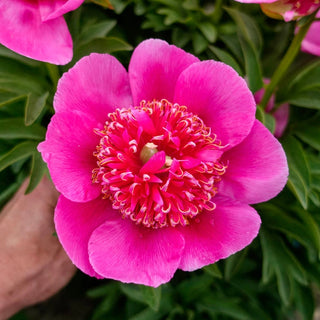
158	164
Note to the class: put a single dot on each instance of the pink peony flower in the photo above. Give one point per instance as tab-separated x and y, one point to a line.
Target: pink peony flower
281	115
37	29
157	167
286	9
311	42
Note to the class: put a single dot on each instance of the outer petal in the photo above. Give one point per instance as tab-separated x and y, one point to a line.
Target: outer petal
256	1
96	85
51	9
311	42
154	68
216	93
68	151
257	169
123	251
218	234
75	223
22	30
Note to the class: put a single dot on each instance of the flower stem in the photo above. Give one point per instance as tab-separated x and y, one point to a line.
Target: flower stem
286	61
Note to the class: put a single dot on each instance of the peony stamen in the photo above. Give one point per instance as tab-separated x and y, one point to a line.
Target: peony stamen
158	164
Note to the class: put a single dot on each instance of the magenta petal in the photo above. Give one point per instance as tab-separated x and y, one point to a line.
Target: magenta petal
155	163
217	94
96	85
22	30
311	42
50	9
75	223
257	169
218	234
154	68
68	151
282	117
123	251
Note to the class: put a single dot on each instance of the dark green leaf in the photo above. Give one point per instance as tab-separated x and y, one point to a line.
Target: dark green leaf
21	151
98	30
34	106
38	169
299	172
15	128
227	58
213	270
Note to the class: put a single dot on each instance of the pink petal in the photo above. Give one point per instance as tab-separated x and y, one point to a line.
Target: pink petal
282	117
256	1
22	30
154	68
51	9
123	251
96	85
216	235
257	169
75	223
68	151
311	42
216	93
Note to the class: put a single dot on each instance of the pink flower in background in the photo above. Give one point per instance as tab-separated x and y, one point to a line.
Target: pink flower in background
286	9
281	115
37	29
311	42
157	166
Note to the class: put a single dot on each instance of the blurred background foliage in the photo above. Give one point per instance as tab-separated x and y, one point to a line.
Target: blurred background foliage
278	275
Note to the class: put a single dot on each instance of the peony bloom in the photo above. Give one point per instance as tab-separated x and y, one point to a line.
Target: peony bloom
157	166
37	29
281	115
286	9
311	42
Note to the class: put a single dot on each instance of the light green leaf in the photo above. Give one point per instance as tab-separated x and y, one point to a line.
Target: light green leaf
209	31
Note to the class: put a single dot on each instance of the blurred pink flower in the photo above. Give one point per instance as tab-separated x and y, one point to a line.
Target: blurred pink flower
286	9
311	42
37	29
281	115
157	166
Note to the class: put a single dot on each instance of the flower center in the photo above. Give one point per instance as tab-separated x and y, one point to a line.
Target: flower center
158	164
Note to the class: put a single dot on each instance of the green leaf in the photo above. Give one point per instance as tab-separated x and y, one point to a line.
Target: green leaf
247	27
224	306
21	151
299	172
101	45
278	260
98	30
227	58
199	42
252	65
309	132
213	270
305	232
305	301
306	99
15	128
209	31
34	106
38	169
147	295
233	264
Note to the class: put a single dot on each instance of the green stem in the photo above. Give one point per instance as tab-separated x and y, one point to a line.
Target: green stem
54	73
286	61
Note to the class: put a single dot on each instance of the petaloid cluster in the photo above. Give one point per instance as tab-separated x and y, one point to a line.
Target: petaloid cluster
158	164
